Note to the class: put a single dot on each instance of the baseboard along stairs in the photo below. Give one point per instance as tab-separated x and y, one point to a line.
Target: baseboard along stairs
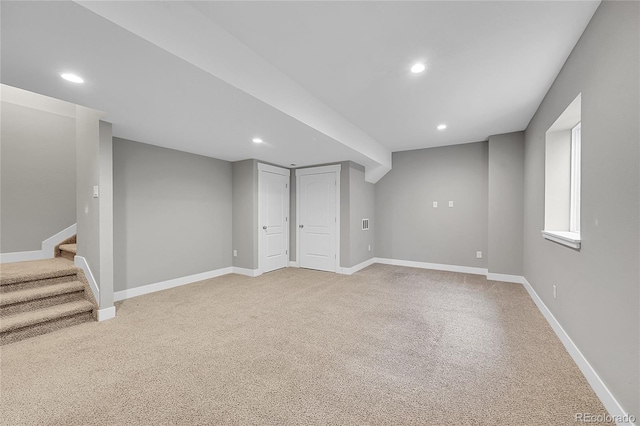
40	296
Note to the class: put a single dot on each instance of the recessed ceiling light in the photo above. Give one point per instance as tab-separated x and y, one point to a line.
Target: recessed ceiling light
256	140
72	78
418	68
442	126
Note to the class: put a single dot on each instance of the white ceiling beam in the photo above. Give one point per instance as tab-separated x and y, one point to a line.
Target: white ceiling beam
183	31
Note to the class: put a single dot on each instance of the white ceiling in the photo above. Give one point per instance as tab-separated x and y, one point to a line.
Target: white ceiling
489	63
318	81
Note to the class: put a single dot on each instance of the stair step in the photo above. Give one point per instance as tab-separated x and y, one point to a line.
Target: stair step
71	248
32	318
36	270
42	292
68	251
37	304
44	328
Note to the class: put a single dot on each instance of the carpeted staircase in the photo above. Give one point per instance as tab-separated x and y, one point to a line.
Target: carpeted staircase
40	296
67	248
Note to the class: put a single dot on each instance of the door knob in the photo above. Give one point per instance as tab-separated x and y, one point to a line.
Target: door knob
301	226
264	227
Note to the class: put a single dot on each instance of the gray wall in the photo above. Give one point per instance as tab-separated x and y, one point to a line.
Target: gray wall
345	218
106	213
598	290
38	176
245	213
506	203
356	202
361	205
409	228
94	158
87	176
172	214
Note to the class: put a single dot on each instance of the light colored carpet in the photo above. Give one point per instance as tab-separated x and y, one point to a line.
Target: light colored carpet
41	296
388	345
11	273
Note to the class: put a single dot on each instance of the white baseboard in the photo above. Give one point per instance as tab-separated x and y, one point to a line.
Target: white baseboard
106	313
22	256
81	263
246	272
47	248
505	278
49	245
359	266
293	264
435	266
164	285
606	397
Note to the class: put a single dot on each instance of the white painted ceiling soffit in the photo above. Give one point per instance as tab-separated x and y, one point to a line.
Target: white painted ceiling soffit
183	31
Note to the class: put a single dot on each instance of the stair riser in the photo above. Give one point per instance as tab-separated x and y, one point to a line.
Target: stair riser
41	303
42	328
5	288
67	255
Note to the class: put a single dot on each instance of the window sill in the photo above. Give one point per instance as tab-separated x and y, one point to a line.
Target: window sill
569	239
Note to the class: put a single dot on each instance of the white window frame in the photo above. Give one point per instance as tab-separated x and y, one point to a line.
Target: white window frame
576	148
563	148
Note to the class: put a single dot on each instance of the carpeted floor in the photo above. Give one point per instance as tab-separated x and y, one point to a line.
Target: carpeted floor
388	345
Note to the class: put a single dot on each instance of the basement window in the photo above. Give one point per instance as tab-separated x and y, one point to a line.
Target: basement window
563	145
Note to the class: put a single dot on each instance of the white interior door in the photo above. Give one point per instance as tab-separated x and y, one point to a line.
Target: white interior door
273	211
317	221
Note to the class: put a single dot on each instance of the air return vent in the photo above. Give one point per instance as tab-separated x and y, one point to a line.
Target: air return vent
365	224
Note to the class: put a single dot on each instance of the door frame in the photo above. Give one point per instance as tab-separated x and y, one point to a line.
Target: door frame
267	168
335	169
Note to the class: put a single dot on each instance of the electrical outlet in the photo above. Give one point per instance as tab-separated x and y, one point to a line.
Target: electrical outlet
435	204
478	255
555	292
235	253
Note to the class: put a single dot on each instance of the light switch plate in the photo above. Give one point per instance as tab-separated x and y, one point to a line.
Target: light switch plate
95	191
435	204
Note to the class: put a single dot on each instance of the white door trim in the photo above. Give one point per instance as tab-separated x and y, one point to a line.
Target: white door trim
317	170
314	171
273	169
278	171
